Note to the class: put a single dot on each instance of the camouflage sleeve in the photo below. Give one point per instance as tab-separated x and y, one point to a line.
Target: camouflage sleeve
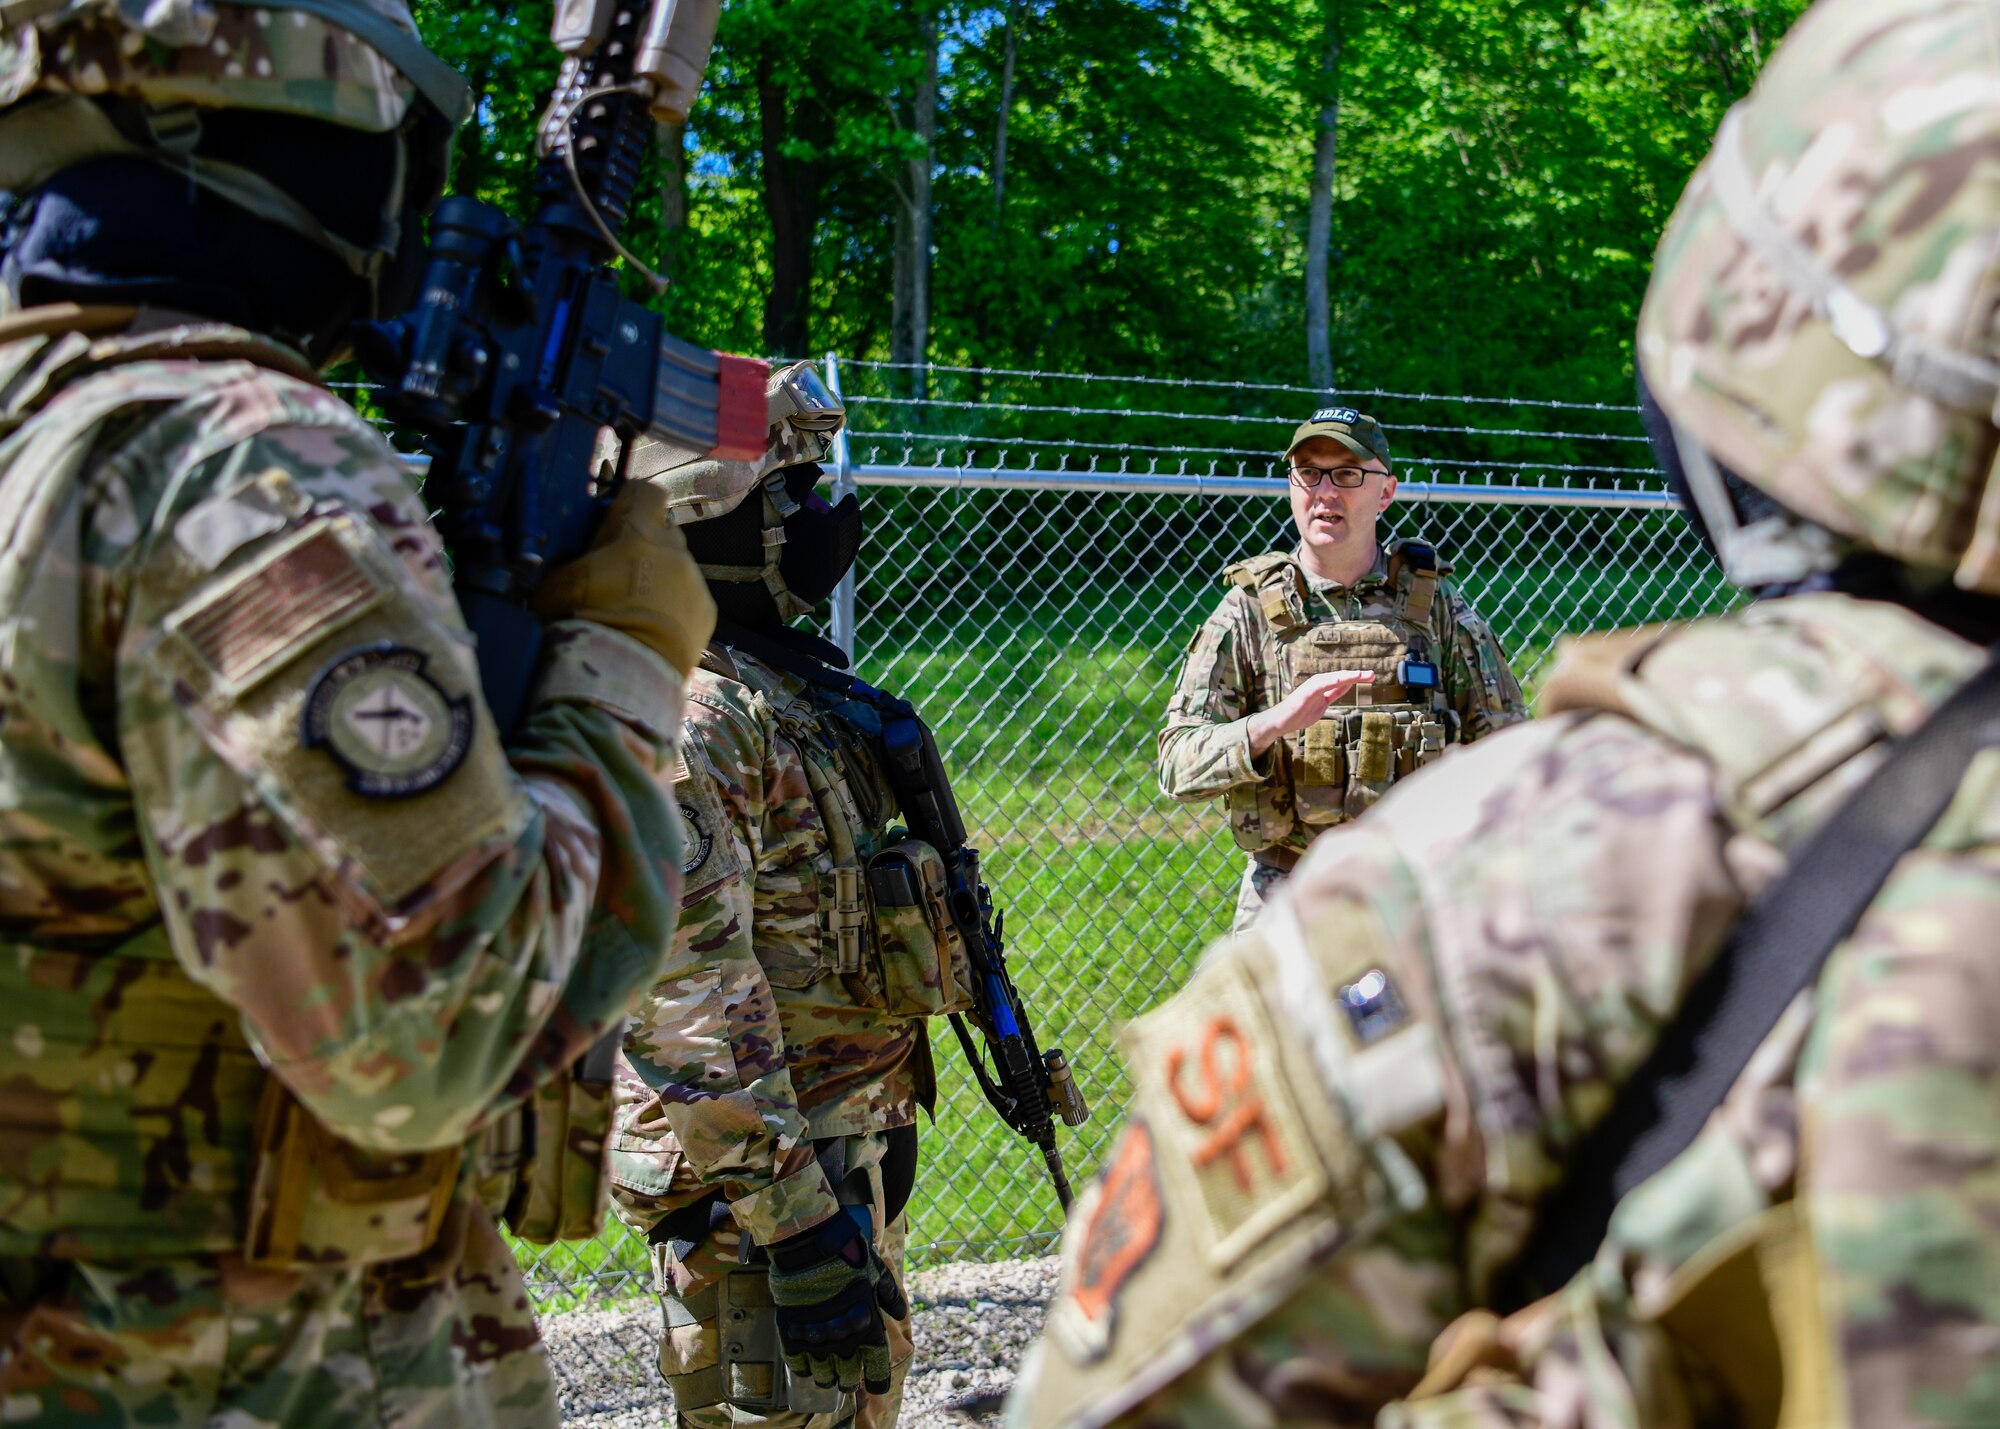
1477	678
415	933
1341	1127
707	1042
1204	750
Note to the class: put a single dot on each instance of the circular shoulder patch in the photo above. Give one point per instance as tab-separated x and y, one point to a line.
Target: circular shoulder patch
696	839
387	723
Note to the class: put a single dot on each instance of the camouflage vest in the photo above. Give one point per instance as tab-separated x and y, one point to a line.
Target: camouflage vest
1338	766
1777	1295
97	1005
884	925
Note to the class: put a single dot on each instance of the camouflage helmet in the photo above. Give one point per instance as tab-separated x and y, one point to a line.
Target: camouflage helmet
1821	317
804	419
86	79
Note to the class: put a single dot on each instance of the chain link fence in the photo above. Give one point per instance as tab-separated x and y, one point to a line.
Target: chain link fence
1039	549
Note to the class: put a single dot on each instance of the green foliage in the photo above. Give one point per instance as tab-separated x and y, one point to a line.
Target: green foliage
1505	167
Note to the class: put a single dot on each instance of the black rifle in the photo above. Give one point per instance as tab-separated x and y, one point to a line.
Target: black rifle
1027	1087
531	380
528	375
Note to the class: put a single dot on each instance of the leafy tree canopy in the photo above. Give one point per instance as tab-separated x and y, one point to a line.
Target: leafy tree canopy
1504	169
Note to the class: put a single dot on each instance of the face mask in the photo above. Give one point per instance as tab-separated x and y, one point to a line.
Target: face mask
785	542
821	540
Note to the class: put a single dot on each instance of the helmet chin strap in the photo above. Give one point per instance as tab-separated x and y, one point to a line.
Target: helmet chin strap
1775	549
778	505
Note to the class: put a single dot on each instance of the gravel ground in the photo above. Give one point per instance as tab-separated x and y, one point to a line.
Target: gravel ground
973	1322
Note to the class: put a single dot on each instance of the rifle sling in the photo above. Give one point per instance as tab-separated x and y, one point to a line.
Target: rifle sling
805	664
1775	952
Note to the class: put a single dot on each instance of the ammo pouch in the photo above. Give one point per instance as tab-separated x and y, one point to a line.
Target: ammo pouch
317	1200
749	1369
926	971
751	1372
1260	814
1347	760
561	1193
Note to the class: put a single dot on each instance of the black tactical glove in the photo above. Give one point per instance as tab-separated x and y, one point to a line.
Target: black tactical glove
831	1290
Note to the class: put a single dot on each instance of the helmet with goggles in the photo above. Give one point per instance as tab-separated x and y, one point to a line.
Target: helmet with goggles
804	419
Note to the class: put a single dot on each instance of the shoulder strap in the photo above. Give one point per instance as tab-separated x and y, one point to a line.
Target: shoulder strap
1247	573
1775	952
1592	669
1278	586
1420	559
75	344
800	653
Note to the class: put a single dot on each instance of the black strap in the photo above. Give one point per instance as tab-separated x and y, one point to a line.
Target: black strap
801	653
1776	951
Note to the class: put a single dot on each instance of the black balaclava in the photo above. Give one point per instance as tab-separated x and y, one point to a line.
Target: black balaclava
821	541
129	231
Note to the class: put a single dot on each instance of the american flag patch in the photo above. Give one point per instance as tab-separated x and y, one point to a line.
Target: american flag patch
277	606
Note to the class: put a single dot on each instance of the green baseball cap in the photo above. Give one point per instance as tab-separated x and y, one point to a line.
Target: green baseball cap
1357	431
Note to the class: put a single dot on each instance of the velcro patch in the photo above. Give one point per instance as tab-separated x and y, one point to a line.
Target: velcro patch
341	693
307	586
708	851
1120	1230
699	840
387	722
1225	1121
1335	414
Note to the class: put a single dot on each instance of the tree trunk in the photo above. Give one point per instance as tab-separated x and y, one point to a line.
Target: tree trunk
792	189
672	141
1007	45
1319	216
910	319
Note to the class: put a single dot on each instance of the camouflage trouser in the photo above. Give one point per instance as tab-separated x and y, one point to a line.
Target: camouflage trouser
693	1289
1258	881
443	1339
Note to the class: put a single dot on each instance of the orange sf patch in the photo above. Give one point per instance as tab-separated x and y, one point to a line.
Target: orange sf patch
1225	1099
1230	1141
1123	1228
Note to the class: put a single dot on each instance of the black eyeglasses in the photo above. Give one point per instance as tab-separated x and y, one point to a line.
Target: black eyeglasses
1309	477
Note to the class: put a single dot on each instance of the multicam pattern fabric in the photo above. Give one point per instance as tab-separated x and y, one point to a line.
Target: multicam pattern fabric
802	416
1869	142
1345	1124
271	57
439	1341
768	1029
193	895
1238	664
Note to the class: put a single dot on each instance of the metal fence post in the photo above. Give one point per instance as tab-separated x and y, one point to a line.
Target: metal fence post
843	483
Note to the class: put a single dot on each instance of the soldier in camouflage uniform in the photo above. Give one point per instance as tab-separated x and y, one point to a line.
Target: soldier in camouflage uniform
1348	1124
1330	670
767	1125
291	930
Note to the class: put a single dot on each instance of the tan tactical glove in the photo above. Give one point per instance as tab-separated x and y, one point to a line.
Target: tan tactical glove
637	577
